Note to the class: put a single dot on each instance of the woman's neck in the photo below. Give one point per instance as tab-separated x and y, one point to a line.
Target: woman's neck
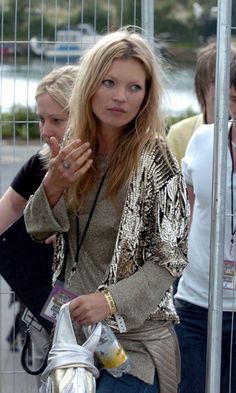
233	135
209	116
107	142
233	145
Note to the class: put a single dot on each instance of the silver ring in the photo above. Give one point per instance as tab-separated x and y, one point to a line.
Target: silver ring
66	164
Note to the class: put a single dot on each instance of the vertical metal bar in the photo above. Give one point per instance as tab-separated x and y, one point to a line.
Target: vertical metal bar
147	11
68	28
135	13
41	31
82	15
121	12
14	88
55	28
95	17
28	74
108	15
1	98
213	368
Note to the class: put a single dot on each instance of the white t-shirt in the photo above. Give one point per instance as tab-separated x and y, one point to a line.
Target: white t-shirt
197	170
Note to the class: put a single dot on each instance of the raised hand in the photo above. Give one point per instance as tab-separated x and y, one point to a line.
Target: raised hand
66	166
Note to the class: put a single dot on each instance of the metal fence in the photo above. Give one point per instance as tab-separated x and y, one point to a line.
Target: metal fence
224	33
24	58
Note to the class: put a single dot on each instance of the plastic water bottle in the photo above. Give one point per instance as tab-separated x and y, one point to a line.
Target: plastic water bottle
110	352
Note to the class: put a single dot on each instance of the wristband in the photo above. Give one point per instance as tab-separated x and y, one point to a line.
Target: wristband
110	301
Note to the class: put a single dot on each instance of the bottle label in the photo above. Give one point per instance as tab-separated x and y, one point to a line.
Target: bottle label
112	356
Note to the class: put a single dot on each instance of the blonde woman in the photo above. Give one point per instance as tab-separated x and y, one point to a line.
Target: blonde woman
35	260
52	98
117	192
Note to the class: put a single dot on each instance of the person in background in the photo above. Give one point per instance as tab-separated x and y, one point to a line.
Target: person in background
204	83
118	193
191	299
52	100
52	97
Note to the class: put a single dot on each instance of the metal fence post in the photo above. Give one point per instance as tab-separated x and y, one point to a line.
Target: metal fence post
148	20
213	368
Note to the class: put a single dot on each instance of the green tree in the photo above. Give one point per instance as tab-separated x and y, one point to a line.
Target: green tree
21	23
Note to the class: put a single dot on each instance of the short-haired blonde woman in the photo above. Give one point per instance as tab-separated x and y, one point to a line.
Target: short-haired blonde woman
116	186
52	100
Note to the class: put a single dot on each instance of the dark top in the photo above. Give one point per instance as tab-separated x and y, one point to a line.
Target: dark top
29	177
24	264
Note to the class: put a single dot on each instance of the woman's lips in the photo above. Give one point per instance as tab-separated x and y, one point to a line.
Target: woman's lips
116	110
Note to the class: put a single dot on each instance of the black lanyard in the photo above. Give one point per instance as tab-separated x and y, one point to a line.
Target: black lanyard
79	243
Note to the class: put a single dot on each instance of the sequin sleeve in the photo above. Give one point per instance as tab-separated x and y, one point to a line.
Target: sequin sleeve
172	222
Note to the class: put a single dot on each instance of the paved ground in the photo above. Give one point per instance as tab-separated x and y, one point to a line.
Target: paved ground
12	377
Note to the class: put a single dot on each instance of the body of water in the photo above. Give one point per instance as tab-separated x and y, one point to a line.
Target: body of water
18	85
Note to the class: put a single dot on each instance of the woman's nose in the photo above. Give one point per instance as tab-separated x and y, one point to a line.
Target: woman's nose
119	94
45	130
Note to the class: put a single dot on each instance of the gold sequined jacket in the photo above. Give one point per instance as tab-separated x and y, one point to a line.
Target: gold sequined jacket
153	228
154	225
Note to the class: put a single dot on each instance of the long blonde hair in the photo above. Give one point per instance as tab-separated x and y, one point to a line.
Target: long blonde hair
147	125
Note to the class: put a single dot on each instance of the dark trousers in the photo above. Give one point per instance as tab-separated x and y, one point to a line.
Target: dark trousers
127	383
192	336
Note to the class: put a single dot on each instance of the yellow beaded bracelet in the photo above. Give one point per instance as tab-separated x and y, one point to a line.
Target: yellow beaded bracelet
110	301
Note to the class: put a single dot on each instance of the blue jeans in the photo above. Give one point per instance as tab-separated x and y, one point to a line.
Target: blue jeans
106	383
192	336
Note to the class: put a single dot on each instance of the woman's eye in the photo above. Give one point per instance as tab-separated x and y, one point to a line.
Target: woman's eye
57	120
108	83
41	120
135	87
